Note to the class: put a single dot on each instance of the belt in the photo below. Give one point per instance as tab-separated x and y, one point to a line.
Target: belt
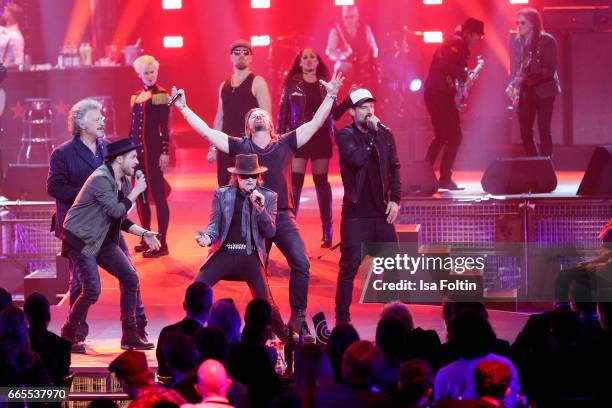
237	247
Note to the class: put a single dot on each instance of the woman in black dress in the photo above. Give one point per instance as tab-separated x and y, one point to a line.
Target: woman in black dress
149	128
302	95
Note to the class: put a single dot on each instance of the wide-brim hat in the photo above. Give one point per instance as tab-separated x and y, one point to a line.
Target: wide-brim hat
241	43
130	364
359	96
473	25
119	147
247	164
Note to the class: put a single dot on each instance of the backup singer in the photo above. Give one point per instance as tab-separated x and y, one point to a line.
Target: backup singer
150	115
449	64
276	153
535	83
243	217
302	95
238	94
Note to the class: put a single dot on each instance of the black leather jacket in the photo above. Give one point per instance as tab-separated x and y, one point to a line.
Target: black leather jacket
354	155
292	105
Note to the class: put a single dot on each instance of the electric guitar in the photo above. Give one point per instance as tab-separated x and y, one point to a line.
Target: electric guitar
514	88
462	88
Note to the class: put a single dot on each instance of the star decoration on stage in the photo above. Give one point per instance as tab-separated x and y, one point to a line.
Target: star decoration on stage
17	110
60	108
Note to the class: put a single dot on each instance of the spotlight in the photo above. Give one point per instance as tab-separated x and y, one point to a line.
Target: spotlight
519	1
260	3
432	36
416	85
430	2
260	40
345	2
173	41
172	4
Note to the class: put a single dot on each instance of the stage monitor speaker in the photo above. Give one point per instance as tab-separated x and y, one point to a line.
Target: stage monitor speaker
597	180
26	182
418	179
519	176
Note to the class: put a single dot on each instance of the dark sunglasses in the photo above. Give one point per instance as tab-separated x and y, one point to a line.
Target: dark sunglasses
248	176
243	52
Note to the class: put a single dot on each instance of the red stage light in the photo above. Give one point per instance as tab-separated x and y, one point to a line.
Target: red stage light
260	3
173	41
433	36
172	4
260	40
345	2
430	2
519	1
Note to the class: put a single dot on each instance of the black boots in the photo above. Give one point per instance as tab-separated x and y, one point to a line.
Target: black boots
324	198
156	253
132	339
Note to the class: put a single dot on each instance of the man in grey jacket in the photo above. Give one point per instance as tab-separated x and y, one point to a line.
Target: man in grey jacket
91	238
243	217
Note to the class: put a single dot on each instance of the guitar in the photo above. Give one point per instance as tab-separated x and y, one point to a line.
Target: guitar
513	90
462	88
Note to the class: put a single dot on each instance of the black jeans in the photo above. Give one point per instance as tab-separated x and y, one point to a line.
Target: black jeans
236	265
76	288
447	130
530	105
113	260
354	232
289	241
223	162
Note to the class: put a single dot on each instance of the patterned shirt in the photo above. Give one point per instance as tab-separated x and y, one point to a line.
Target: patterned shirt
153	393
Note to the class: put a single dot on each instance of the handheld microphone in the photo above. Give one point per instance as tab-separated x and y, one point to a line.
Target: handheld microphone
257	199
174	98
143	196
383	127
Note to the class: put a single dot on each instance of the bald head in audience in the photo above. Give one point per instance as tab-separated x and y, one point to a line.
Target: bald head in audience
213	379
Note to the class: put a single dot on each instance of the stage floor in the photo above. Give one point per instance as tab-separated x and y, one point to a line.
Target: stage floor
163	281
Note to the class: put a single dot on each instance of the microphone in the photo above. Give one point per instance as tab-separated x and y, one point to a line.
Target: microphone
174	98
257	199
143	196
383	127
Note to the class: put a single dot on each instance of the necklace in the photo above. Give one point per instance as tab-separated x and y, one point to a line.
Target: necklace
233	81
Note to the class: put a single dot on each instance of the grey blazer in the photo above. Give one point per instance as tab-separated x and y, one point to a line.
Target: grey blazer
542	71
221	218
96	207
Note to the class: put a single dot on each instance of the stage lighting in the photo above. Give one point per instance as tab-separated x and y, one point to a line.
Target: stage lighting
416	85
432	36
430	2
172	4
260	40
345	2
260	3
519	1
173	41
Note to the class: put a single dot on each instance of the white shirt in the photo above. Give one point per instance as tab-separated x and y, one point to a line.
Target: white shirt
11	45
210	402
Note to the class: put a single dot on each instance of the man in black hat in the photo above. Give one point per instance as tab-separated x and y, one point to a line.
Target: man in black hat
449	64
91	238
243	217
276	152
369	167
238	94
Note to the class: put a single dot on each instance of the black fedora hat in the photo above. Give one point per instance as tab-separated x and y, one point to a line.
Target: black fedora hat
119	147
473	25
247	164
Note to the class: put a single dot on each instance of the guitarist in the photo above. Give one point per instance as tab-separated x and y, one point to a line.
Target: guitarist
449	64
352	47
533	62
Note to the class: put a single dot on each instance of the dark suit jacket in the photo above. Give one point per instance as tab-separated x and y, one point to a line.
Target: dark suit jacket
186	326
263	225
54	352
69	167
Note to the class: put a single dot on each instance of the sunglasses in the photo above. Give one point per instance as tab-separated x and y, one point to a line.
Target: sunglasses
248	176
243	52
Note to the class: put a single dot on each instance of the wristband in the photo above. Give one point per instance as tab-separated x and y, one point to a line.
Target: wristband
330	96
143	233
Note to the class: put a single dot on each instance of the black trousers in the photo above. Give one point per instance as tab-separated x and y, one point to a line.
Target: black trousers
530	106
354	232
157	185
447	130
236	265
223	162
